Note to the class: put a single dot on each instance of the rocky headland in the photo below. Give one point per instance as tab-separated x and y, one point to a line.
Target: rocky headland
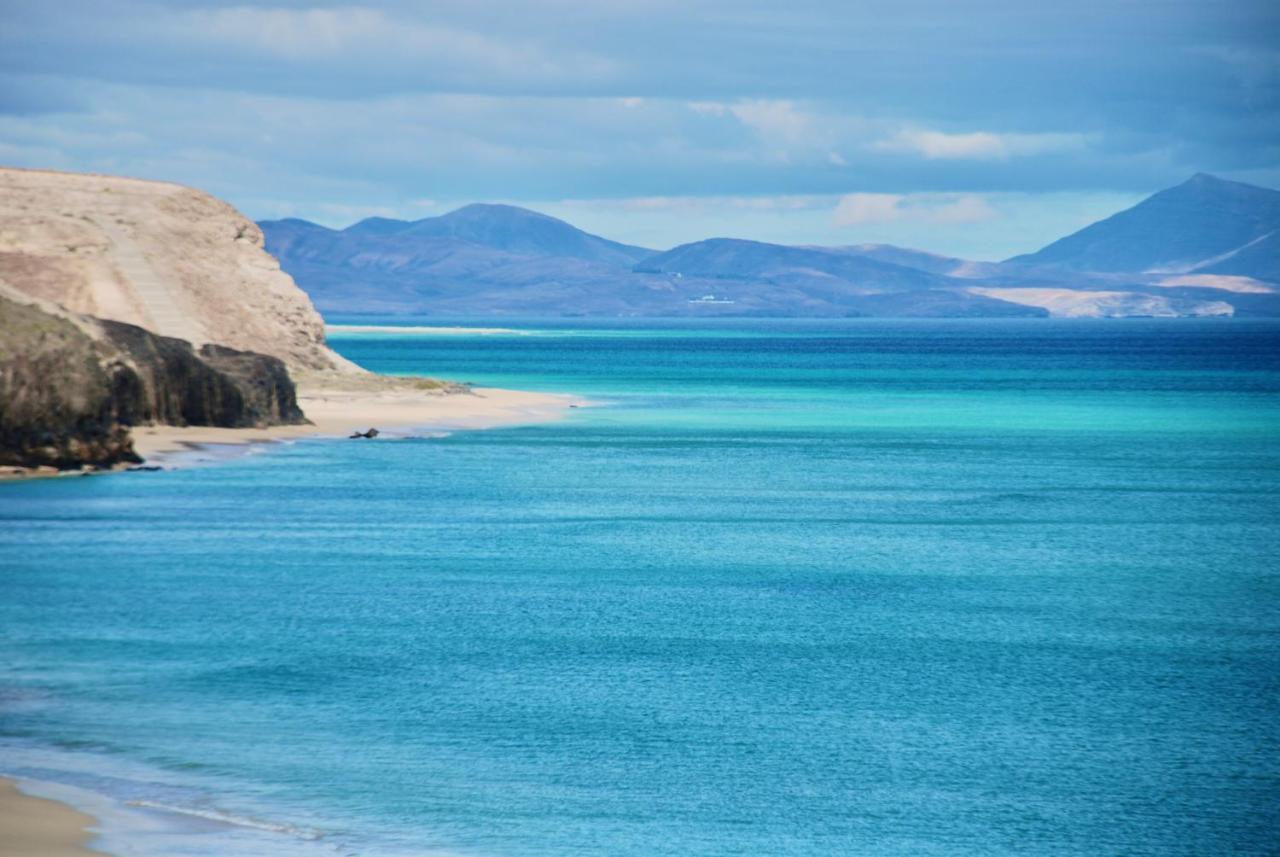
138	317
72	387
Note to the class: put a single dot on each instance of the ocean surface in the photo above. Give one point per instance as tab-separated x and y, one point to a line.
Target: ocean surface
787	588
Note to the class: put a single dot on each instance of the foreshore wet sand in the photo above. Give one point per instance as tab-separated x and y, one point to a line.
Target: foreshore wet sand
32	826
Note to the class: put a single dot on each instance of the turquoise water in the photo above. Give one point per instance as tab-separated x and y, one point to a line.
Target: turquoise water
792	588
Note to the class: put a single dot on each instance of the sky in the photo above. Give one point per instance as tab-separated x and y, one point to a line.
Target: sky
980	129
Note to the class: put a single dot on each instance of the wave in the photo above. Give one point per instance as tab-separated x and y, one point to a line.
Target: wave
223	817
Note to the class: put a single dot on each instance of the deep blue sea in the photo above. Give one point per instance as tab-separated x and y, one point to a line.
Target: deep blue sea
788	588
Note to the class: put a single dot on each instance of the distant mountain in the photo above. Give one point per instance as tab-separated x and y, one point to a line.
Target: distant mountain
732	258
1206	247
502	260
1196	226
480	259
518	230
375	227
1259	259
384	242
934	263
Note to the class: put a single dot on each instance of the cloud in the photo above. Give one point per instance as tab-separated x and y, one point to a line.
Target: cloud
935	144
298	33
708	108
861	209
378	102
369	35
979	145
775	121
783	202
856	209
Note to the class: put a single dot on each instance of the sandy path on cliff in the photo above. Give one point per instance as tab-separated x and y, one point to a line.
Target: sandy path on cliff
157	299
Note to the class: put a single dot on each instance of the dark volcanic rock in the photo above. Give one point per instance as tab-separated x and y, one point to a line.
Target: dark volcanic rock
71	387
263	380
216	387
181	389
63	402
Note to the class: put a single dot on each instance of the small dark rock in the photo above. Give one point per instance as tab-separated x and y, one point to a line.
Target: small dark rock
373	432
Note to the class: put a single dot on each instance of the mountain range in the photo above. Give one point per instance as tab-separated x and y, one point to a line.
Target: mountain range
1207	247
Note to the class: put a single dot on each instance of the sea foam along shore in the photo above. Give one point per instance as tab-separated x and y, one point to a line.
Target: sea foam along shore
56	819
31	825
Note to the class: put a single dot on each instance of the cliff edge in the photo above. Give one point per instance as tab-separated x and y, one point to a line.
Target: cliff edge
172	260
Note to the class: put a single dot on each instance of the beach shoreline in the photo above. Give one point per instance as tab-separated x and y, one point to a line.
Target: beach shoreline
396	407
40	825
340	412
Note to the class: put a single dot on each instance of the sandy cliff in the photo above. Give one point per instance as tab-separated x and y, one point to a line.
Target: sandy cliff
170	259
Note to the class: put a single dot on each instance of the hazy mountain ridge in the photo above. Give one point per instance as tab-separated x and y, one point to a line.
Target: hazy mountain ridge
735	258
1206	247
1182	229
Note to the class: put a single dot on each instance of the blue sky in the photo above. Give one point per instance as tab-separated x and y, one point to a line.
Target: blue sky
980	129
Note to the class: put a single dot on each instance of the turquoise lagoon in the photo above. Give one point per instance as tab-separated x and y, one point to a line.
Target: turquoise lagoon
788	588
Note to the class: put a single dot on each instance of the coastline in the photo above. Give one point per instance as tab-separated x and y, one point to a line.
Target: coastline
394	410
421	330
38	825
336	408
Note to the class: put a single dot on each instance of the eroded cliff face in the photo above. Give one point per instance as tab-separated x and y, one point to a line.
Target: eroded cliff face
215	386
72	386
170	259
63	401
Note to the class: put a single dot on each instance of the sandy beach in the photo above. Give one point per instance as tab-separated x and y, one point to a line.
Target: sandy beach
395	407
34	825
338	407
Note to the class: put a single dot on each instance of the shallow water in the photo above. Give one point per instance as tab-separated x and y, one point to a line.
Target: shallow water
970	587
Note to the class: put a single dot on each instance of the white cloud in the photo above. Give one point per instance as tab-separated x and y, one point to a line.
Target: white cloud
856	209
775	121
708	108
964	208
976	145
785	202
779	124
861	209
293	33
935	144
373	38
